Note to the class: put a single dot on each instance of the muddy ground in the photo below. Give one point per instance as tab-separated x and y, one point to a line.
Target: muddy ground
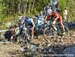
11	49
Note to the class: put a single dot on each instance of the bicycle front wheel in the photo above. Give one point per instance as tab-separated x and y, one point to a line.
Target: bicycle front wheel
48	32
67	33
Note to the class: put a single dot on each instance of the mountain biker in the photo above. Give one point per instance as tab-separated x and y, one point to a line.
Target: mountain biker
53	15
29	23
26	22
40	20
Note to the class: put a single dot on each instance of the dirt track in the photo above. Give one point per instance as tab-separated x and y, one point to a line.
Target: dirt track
9	50
64	40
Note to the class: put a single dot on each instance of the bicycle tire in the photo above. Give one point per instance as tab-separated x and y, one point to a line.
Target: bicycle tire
60	31
48	32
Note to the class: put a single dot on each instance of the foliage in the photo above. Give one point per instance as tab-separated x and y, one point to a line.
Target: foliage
9	9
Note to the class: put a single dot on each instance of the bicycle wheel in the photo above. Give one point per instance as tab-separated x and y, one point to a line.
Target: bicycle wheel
60	31
48	32
67	33
25	37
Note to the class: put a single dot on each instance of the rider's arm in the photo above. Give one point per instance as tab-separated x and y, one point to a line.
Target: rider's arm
45	19
55	19
57	16
33	23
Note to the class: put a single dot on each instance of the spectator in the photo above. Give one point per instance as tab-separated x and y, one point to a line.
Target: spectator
8	35
65	12
54	3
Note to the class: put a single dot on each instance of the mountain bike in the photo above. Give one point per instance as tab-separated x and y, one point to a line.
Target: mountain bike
39	29
49	31
24	36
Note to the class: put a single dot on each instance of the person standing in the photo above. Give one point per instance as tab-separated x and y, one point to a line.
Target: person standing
54	4
65	13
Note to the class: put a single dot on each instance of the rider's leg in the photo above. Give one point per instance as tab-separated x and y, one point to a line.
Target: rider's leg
53	24
62	26
32	32
20	32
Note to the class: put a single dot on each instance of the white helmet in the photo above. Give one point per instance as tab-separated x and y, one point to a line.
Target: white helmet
49	11
20	17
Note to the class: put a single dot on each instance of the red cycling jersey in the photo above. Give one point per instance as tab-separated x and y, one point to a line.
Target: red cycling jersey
55	15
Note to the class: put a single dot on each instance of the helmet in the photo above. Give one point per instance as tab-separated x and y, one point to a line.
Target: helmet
20	17
49	11
39	17
26	17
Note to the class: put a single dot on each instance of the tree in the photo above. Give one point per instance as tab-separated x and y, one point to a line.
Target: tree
23	6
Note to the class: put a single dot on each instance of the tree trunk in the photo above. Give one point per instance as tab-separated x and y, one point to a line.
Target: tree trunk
19	11
29	8
33	5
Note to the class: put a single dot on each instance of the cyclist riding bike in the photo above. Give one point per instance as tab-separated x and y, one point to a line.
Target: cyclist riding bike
29	23
54	16
40	21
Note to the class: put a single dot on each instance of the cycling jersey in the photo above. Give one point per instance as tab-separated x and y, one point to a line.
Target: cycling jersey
55	15
27	22
39	20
